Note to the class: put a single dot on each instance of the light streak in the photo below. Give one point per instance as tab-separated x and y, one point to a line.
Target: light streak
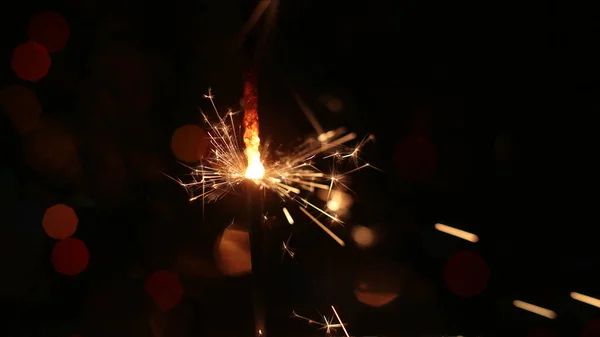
288	216
285	247
340	320
535	309
457	232
585	299
233	159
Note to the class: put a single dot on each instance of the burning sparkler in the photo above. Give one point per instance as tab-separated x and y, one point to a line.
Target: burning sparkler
228	165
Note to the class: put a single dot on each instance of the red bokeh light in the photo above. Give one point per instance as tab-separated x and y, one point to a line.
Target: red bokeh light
415	157
165	289
466	274
30	61
70	256
49	29
60	221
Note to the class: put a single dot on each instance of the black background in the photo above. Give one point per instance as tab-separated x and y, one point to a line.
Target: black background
482	82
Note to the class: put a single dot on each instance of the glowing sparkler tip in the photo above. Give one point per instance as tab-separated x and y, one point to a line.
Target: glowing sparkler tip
255	170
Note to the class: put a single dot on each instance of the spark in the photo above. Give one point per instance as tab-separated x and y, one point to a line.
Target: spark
340	320
288	216
285	247
328	323
235	157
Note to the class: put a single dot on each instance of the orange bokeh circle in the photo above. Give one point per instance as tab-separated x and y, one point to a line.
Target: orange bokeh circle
60	221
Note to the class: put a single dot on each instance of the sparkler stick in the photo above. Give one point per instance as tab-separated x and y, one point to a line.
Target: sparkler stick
258	251
254	173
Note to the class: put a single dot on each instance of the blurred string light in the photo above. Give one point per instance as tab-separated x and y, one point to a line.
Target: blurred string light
535	309
586	299
457	232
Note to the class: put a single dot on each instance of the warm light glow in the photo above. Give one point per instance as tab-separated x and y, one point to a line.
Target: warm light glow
535	309
255	169
333	205
586	299
363	236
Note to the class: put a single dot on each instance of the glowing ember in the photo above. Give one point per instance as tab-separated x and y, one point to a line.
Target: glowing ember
255	169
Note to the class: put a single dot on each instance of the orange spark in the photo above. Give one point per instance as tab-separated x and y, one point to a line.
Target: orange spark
255	169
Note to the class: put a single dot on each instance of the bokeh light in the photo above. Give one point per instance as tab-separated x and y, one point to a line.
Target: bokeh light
165	289
70	256
190	143
22	107
31	61
60	221
336	201
232	252
49	29
364	237
377	283
416	157
466	274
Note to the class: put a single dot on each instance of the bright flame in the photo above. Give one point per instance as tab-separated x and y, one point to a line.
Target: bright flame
255	169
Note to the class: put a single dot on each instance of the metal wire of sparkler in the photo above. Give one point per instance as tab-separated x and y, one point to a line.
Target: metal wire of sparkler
222	171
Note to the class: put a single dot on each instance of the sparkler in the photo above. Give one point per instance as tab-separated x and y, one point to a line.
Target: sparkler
229	165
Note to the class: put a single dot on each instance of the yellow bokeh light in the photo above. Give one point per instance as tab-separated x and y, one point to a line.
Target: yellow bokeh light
333	205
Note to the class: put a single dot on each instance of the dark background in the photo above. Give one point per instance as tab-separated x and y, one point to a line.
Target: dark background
462	98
